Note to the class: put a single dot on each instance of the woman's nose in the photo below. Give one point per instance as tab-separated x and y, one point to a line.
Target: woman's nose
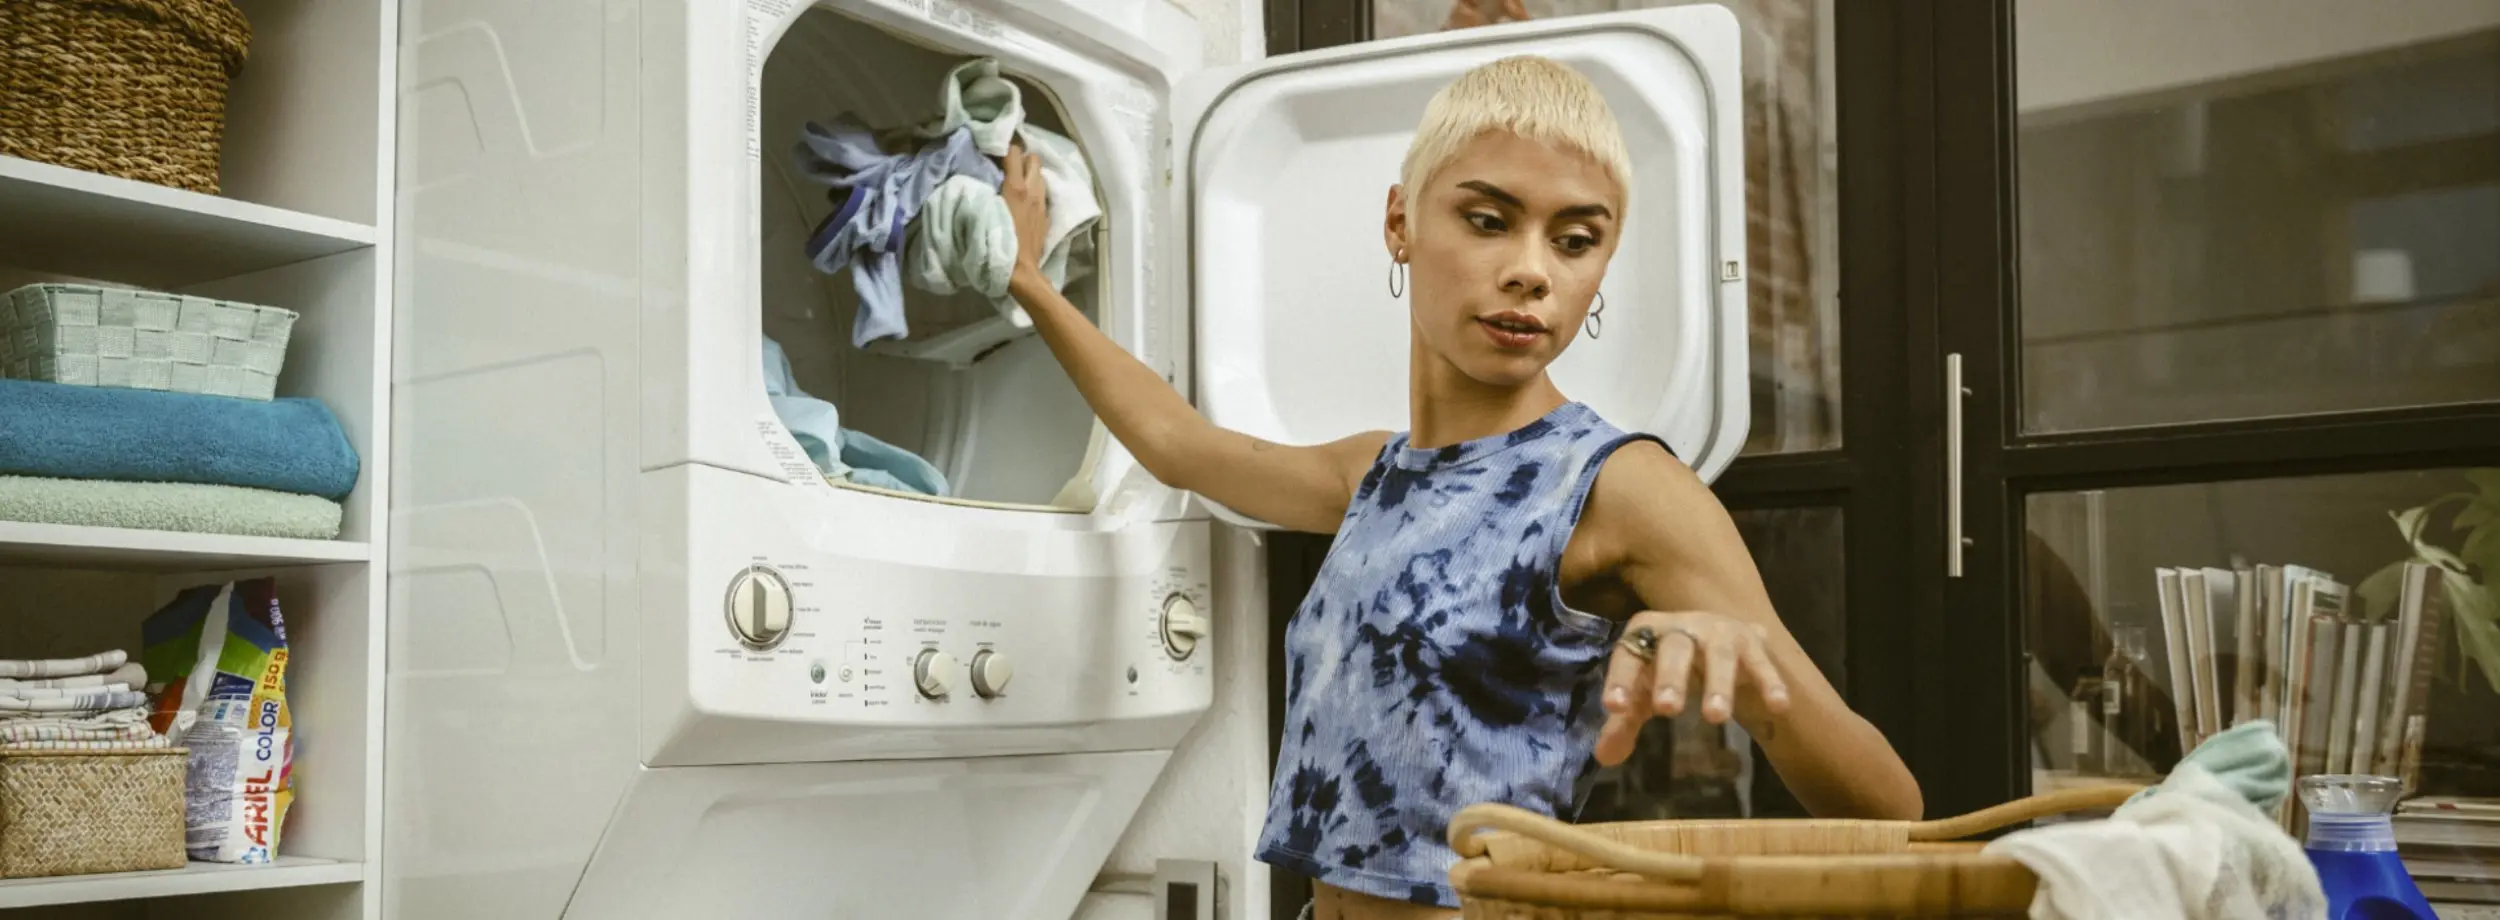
1526	281
1527	275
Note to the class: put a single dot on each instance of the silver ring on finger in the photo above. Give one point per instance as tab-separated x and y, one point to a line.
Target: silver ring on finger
1642	642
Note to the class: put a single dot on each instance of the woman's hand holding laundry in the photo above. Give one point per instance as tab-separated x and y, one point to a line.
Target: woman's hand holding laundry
1305	488
1028	201
1665	661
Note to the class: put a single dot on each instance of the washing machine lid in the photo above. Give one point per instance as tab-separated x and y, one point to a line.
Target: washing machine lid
1286	166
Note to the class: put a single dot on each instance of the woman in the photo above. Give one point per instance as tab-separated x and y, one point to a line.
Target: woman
1487	559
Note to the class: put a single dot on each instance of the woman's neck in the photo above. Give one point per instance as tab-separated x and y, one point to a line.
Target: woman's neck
1445	406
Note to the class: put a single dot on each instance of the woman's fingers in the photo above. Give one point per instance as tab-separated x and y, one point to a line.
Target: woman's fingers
1675	670
1765	676
1627	685
1720	660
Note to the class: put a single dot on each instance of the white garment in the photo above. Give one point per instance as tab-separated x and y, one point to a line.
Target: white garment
1067	245
64	667
2193	850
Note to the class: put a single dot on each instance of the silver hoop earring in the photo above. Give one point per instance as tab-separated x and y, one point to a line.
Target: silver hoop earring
1397	278
1596	322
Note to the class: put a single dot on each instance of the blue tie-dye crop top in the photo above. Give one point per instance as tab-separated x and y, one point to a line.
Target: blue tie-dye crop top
1434	665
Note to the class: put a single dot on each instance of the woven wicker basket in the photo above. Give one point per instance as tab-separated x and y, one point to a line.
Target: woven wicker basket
130	88
79	812
1535	868
113	337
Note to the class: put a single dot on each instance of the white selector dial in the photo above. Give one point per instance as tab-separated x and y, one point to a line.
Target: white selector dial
759	607
934	671
1183	626
990	673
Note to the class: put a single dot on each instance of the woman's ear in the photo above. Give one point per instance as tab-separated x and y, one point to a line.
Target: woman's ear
1393	227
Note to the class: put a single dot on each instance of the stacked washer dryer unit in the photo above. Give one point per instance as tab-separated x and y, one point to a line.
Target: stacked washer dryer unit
646	663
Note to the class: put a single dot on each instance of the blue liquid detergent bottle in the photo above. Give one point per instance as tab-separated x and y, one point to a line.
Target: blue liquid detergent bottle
2352	841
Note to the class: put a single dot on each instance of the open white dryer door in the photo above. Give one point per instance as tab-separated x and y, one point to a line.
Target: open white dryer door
1283	168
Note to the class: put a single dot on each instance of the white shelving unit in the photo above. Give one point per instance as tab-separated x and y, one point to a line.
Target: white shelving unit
303	222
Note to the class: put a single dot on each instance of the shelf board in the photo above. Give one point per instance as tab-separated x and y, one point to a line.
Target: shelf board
88	225
162	550
198	878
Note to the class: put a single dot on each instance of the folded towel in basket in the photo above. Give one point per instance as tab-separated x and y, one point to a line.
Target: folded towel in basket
75	432
2196	847
178	506
116	729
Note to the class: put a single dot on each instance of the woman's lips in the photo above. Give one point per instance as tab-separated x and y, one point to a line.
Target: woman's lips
1510	333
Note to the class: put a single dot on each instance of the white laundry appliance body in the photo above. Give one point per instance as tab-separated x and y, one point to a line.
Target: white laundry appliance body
646	662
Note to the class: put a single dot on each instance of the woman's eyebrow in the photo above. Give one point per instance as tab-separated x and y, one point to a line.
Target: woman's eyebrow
1489	190
1495	192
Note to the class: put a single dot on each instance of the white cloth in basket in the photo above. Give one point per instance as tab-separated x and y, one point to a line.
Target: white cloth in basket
2198	850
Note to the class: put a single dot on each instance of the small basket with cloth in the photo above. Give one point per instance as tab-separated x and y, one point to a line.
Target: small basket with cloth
2202	844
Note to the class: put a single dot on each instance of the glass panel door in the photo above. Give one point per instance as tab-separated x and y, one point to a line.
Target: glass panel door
2220	222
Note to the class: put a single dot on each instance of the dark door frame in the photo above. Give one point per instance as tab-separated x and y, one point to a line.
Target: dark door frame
1972	266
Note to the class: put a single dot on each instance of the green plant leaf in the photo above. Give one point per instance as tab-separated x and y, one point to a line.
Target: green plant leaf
2379	592
2485	478
2477	513
2482	548
2470	609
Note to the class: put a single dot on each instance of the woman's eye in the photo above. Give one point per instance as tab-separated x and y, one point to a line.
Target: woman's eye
1576	244
1486	222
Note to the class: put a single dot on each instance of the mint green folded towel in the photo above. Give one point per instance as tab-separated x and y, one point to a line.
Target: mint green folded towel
2248	759
179	506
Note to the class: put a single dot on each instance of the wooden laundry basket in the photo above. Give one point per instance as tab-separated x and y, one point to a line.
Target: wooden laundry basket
1536	868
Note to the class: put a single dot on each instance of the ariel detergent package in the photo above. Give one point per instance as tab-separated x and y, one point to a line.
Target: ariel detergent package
221	652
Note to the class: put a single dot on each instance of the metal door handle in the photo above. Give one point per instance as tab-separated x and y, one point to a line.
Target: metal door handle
1955	542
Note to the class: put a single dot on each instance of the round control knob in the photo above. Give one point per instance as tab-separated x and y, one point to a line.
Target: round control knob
934	672
990	673
1183	626
759	607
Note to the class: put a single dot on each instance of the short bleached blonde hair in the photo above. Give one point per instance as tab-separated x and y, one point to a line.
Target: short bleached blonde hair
1537	98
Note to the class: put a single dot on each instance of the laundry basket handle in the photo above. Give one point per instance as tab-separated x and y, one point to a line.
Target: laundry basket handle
1616	854
1465	830
2063	801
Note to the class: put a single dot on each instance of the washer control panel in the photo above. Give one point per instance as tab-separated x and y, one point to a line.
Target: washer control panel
833	637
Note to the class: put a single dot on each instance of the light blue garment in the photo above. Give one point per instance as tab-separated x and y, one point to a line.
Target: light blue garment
965	240
977	99
1434	664
877	196
840	453
2249	759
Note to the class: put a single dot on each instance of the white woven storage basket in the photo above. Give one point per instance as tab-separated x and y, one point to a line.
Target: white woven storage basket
111	337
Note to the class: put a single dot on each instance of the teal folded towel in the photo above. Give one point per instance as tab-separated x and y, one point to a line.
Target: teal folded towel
180	506
2248	759
72	432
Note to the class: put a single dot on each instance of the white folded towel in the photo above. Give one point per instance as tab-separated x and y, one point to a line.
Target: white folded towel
2196	849
130	674
76	699
100	663
119	729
